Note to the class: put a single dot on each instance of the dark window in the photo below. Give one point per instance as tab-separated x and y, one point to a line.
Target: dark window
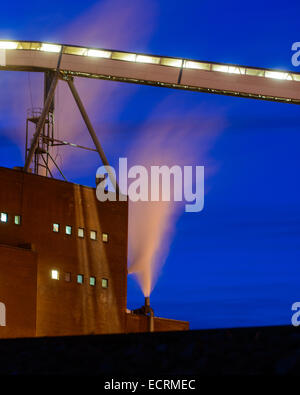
68	277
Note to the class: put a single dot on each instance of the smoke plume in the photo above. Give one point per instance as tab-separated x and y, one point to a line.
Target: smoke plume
185	138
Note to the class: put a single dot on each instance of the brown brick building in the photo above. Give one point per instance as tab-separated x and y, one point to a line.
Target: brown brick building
63	260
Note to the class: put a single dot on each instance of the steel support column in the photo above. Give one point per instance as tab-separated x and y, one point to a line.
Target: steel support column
92	133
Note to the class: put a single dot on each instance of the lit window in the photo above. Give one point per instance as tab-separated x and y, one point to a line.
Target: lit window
55	228
17	220
105	237
104	283
8	45
277	74
3	217
54	274
93	235
50	48
80	278
68	277
68	230
130	57
220	67
171	62
80	232
147	59
92	281
98	54
196	65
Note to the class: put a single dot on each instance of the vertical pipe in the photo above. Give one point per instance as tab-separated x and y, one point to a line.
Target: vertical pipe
26	142
41	122
42	119
48	77
151	321
147	302
150	314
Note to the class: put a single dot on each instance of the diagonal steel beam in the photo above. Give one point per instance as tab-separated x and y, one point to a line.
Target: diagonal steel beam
92	133
42	119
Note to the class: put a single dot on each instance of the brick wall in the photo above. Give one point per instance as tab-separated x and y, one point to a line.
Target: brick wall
18	280
139	323
68	308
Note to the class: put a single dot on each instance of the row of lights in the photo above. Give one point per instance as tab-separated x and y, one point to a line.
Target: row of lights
56	228
55	275
132	57
80	232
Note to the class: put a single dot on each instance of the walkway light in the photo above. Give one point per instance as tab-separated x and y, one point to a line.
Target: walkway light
8	45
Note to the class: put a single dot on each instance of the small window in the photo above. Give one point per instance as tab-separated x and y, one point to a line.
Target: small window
54	274
105	237
80	232
17	219
93	235
104	283
55	228
80	278
3	217
68	277
92	281
68	230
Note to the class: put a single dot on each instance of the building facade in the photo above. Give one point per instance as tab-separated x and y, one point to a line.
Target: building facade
63	260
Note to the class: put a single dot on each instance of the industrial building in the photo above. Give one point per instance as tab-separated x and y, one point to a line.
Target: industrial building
63	254
63	260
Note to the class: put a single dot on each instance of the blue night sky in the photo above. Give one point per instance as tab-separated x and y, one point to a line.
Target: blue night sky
237	262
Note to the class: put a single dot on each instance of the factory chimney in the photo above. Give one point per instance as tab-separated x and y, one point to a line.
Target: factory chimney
148	312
